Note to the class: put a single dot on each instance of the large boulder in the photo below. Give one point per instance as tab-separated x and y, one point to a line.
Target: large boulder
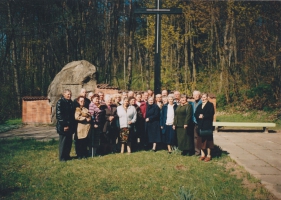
73	76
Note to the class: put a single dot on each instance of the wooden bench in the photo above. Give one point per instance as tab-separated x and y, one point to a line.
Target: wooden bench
243	124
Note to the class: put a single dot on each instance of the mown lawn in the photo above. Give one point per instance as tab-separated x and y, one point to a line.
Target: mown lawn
31	170
232	115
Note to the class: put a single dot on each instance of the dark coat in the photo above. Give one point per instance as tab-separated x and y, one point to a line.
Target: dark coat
163	116
113	124
208	115
153	125
183	116
140	121
65	116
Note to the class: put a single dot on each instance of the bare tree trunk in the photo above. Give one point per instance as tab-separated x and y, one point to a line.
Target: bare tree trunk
194	73
219	49
114	52
107	43
226	61
67	43
131	34
175	61
186	68
14	59
129	81
211	40
147	74
124	45
43	64
141	66
14	63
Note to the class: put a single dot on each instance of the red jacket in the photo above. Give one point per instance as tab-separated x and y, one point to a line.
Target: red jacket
143	108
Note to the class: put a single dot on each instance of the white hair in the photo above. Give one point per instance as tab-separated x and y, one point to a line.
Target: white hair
90	94
150	98
107	97
170	96
196	91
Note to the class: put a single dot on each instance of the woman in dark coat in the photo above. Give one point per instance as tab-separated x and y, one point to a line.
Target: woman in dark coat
98	115
182	124
166	123
110	129
138	126
204	115
152	123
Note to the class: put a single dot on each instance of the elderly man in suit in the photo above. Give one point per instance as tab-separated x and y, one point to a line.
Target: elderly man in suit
65	124
195	104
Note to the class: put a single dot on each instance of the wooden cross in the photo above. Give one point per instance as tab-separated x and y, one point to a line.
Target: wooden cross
157	57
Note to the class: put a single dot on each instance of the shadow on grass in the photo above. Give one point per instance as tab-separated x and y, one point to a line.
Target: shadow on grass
7	191
217	152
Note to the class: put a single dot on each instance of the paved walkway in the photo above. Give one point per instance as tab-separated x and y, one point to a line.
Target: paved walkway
41	133
258	153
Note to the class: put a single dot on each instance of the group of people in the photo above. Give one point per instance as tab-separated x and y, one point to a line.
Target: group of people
109	123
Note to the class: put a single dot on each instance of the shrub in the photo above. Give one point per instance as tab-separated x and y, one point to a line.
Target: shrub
260	97
221	101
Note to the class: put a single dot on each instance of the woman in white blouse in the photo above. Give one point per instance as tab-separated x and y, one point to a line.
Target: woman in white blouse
166	123
127	116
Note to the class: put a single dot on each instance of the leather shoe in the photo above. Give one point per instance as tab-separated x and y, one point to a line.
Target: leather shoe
202	158
207	159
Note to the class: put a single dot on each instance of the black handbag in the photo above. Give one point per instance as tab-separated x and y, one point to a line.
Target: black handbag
205	133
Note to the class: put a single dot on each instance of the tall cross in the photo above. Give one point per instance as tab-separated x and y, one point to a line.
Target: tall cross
157	56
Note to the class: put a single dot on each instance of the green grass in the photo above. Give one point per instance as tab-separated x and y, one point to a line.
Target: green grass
10	124
250	116
14	122
31	170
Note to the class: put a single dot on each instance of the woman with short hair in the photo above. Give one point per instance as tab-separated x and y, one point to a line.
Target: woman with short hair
83	118
166	123
117	99
127	117
204	115
138	125
152	125
165	99
98	115
158	100
182	125
110	129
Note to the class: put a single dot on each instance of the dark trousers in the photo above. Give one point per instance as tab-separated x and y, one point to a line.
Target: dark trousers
65	143
197	140
81	147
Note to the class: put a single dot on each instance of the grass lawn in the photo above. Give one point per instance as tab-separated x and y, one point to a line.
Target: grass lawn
31	170
231	115
10	124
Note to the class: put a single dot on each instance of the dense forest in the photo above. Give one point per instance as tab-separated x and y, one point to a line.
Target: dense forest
229	48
